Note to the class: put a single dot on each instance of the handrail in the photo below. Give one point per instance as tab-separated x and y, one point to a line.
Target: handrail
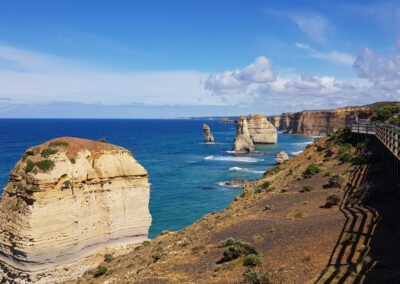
388	134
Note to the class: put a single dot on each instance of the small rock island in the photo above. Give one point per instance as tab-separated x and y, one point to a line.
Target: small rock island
65	200
208	137
243	142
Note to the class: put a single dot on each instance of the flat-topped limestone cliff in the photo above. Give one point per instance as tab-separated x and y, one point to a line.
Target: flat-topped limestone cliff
317	122
68	198
261	130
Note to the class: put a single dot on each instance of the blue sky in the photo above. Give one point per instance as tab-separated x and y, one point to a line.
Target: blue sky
190	58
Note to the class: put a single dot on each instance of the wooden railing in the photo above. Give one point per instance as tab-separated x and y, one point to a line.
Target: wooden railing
389	135
363	126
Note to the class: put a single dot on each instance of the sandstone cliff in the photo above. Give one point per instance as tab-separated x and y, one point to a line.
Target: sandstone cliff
318	122
68	198
261	130
208	137
275	120
243	142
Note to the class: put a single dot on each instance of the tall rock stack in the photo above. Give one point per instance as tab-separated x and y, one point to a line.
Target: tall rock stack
208	137
65	200
261	130
243	142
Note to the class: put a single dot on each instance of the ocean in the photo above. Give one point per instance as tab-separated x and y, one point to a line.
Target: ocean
185	173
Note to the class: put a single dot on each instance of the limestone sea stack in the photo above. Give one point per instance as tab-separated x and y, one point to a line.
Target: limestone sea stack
65	200
261	130
243	142
208	137
281	157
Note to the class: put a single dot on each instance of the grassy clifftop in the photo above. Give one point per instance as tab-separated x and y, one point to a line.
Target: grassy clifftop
315	219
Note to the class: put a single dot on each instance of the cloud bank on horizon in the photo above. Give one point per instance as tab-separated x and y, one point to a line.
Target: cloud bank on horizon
288	57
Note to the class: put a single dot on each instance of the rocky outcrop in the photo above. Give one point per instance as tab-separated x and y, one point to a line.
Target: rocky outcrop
281	157
237	182
261	130
243	142
319	122
275	120
65	200
208	137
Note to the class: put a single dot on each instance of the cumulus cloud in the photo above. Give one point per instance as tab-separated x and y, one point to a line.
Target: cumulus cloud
333	56
382	71
378	79
258	72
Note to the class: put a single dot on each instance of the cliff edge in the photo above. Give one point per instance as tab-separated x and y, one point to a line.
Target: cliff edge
68	198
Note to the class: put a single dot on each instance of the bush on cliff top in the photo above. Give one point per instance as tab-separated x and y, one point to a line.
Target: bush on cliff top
48	152
235	249
58	143
312	170
256	277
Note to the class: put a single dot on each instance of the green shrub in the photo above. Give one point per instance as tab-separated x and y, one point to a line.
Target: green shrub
58	143
72	161
336	180
45	165
34	188
275	170
342	136
235	249
305	188
29	166
24	156
311	170
265	185
156	257
108	257
100	270
198	249
254	277
252	260
66	184
227	242
332	199
344	153
36	150
48	152
165	232
146	243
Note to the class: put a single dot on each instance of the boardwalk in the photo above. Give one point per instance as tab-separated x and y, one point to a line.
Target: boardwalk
388	137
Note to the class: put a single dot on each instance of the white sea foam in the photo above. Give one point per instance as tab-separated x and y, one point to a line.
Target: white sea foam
305	143
233	159
225	184
296	153
239	169
230	152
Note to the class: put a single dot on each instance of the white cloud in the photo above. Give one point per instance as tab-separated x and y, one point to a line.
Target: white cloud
258	72
382	71
32	77
333	56
313	25
379	79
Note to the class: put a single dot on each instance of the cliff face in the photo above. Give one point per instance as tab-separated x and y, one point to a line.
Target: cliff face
243	142
319	122
69	197
275	120
261	130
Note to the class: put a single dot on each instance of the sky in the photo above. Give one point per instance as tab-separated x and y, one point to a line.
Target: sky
152	59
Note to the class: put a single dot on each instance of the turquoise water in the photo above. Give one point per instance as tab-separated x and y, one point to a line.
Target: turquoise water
183	171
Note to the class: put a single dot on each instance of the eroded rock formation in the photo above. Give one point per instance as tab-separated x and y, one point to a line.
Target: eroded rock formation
281	157
208	137
318	122
243	142
261	130
68	198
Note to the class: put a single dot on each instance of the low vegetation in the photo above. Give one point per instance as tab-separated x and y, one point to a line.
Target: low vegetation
58	143
45	165
235	249
108	257
100	270
252	260
48	152
332	200
336	180
254	277
311	170
306	188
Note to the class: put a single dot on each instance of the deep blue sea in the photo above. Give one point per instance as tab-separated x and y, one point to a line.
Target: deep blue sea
184	171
